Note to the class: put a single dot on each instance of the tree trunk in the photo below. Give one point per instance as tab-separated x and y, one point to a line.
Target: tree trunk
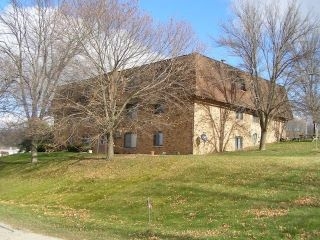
110	143
221	143
263	139
34	152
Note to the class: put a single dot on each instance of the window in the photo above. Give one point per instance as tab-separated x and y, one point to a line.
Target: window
238	83
241	83
131	111
130	140
254	138
158	139
103	139
117	134
86	140
82	99
239	143
158	108
255	119
239	115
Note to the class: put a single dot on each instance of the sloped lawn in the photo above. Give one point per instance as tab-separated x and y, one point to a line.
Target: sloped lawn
273	194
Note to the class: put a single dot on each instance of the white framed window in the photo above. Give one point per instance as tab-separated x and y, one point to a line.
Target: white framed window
238	143
130	140
254	138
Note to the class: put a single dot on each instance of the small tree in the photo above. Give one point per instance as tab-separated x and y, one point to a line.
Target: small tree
119	51
266	41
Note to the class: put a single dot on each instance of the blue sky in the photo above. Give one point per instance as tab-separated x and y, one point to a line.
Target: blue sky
3	3
205	16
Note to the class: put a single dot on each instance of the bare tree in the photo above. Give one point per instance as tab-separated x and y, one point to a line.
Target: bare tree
35	41
306	89
266	41
5	82
222	86
129	62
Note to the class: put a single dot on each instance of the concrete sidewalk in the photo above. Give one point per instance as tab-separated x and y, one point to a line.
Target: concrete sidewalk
9	233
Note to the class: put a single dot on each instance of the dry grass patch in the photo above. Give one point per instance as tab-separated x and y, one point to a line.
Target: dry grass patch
268	213
62	211
307	201
52	210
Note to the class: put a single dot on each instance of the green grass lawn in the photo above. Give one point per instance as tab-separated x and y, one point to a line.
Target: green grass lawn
272	194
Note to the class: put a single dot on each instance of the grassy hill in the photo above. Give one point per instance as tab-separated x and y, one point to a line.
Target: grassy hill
273	194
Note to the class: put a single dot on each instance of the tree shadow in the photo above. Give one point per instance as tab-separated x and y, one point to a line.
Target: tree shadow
22	163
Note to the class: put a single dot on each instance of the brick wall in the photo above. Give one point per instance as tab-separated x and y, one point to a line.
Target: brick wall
177	135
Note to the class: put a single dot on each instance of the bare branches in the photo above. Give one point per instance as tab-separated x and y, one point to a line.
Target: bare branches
306	89
128	61
36	44
221	93
266	42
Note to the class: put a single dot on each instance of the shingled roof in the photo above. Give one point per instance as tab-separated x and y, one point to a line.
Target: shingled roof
222	84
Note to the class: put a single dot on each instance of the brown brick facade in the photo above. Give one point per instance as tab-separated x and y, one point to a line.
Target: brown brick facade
177	138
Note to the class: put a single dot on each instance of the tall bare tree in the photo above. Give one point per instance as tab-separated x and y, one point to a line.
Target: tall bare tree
118	57
306	88
266	41
36	43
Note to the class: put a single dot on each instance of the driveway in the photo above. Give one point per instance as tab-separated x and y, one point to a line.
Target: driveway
9	233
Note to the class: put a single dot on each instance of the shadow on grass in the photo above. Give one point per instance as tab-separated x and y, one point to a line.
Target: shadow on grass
22	162
14	163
